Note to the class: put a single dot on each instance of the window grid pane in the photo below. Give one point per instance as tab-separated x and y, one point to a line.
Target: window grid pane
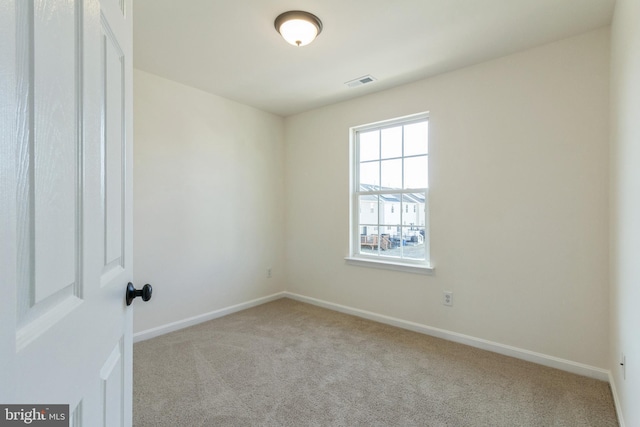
369	176
369	145
391	174
391	143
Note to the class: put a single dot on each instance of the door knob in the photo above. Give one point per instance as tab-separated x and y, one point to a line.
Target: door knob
132	293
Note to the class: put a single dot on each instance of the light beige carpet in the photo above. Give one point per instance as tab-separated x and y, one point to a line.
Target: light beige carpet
287	363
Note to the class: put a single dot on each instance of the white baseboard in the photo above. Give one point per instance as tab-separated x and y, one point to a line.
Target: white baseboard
616	400
507	350
530	356
185	323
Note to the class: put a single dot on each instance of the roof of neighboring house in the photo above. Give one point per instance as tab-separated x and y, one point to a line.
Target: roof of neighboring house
390	198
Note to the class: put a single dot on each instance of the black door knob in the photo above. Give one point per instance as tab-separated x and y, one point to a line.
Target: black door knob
132	293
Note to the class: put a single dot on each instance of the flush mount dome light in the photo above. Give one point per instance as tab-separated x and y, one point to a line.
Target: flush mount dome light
297	27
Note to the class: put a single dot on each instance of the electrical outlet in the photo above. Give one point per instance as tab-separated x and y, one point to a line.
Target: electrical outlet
447	298
269	273
623	366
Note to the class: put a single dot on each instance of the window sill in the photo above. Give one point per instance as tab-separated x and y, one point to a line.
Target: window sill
390	265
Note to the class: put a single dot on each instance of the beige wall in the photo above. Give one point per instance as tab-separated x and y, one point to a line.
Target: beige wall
625	206
208	191
519	202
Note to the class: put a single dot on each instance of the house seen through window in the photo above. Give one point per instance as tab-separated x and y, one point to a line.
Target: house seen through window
390	170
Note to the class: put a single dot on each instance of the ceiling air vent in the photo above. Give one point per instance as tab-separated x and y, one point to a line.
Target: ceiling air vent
361	81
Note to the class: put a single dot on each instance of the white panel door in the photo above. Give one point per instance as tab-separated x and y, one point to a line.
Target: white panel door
66	213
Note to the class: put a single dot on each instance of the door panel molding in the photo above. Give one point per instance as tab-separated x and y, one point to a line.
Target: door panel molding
50	165
45	319
113	151
112	384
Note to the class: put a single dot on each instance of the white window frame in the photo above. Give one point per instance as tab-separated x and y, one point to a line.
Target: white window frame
355	256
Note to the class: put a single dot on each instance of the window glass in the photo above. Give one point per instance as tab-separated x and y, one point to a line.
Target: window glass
415	139
391	174
416	172
391	143
369	145
369	175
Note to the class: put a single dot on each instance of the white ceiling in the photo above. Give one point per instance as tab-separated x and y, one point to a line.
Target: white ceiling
230	47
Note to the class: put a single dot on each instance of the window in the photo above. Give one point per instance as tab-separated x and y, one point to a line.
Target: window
390	171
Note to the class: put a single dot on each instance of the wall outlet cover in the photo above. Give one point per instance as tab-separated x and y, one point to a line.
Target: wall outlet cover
447	298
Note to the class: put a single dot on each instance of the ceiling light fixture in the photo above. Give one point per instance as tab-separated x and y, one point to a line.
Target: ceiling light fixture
297	27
